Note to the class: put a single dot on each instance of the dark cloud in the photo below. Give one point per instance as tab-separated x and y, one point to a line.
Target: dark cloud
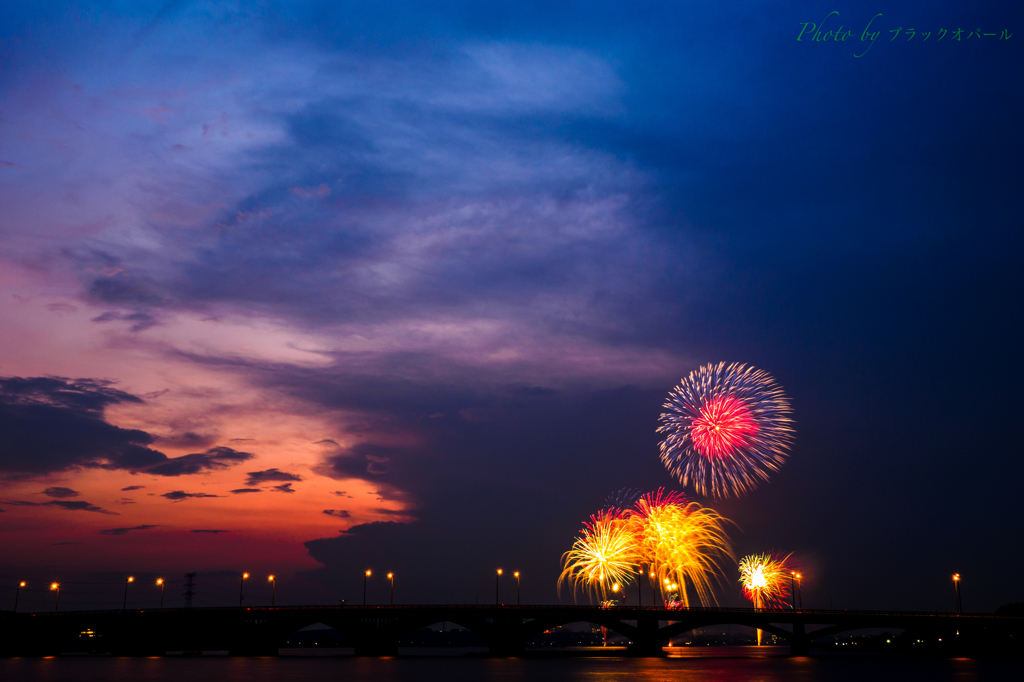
340	513
258	477
59	492
211	531
284	488
179	495
133	487
52	424
239	491
220	457
123	531
362	459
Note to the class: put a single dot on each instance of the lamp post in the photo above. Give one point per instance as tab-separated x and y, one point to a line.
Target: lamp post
640	589
516	574
956	585
497	575
273	589
365	576
160	584
799	593
55	587
17	593
241	589
391	577
124	604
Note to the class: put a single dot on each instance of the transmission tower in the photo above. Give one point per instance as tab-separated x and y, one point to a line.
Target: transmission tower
189	589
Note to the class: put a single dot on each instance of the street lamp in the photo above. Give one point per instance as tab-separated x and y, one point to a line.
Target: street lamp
516	574
273	589
17	593
799	592
241	589
365	576
640	589
497	575
55	587
127	580
956	584
391	577
160	583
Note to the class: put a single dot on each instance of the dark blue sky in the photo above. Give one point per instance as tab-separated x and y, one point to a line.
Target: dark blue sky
454	256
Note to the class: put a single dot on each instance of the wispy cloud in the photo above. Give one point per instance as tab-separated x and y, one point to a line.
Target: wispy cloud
123	531
70	505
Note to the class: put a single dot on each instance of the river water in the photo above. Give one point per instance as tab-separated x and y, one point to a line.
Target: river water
721	664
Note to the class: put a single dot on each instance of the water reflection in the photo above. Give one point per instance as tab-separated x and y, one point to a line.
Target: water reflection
685	664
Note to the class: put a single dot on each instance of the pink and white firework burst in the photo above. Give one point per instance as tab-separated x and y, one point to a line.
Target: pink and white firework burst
725	428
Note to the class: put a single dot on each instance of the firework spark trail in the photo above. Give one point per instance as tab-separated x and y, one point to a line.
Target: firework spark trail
682	542
765	579
603	555
622	499
725	428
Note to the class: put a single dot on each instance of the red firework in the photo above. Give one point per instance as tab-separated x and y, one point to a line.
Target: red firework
725	424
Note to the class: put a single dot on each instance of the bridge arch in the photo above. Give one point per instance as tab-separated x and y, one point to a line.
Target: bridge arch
679	627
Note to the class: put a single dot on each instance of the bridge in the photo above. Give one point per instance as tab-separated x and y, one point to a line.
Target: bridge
377	630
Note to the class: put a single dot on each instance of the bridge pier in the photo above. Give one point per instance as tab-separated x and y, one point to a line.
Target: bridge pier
507	638
376	647
799	644
648	641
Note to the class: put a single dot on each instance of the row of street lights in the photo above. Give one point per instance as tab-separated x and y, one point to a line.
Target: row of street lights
497	585
55	587
794	581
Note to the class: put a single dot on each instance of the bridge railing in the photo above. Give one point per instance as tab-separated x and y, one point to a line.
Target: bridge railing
585	608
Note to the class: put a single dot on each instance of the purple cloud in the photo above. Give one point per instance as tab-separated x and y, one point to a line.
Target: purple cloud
220	457
258	477
59	492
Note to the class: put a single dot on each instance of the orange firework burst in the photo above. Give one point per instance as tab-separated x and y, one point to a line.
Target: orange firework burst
765	579
603	556
682	542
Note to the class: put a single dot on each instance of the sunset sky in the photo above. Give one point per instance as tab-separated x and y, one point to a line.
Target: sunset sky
307	288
